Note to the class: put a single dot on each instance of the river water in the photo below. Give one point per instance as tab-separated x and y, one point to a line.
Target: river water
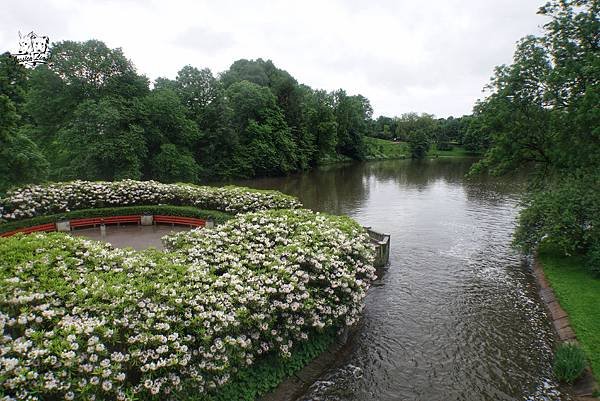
456	316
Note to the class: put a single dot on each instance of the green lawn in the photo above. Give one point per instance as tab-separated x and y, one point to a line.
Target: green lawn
456	151
578	292
382	149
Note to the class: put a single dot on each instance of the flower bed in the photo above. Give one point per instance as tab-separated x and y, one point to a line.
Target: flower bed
36	200
82	320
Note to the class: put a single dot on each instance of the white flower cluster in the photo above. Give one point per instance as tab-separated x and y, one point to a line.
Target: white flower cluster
35	200
81	320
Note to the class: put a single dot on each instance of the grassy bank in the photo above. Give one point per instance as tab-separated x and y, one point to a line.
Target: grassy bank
456	151
578	292
380	149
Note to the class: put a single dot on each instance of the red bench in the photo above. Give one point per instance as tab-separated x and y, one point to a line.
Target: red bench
94	221
42	227
184	221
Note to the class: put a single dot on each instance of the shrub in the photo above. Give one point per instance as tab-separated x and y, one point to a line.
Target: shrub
36	200
565	215
569	362
80	319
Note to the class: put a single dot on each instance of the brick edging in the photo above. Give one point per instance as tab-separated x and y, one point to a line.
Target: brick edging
584	387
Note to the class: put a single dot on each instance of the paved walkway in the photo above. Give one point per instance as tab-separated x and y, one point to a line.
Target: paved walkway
137	237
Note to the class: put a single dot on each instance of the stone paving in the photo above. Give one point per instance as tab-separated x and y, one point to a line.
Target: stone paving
134	236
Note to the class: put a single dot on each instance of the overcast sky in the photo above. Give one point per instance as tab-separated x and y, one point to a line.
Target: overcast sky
432	56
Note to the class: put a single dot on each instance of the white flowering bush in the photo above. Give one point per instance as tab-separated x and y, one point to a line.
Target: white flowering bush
36	200
81	320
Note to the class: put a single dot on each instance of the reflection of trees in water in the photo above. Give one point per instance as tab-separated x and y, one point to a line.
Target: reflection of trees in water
495	190
335	189
343	188
419	173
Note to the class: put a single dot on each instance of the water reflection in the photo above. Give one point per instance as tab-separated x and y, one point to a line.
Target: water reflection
456	316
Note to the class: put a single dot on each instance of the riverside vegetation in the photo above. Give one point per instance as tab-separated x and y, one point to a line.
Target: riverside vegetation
93	116
90	115
224	312
542	114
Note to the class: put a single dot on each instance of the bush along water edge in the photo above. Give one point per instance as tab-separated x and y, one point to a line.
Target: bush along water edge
82	320
569	362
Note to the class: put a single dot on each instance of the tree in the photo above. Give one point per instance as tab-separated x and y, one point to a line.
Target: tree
352	114
320	121
418	130
21	161
418	143
265	146
543	113
91	70
172	164
104	143
13	80
516	112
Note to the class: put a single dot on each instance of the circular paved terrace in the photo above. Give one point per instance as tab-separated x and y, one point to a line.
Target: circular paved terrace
135	236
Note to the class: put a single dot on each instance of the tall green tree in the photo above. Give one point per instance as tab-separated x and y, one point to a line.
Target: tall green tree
266	145
543	113
320	121
21	162
103	142
352	114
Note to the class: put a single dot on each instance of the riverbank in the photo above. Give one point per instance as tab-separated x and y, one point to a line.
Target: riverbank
578	292
381	149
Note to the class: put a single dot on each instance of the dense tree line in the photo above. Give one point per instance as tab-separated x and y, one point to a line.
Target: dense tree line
91	115
543	113
422	131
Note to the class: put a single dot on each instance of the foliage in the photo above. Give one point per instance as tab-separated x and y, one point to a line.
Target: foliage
418	144
168	210
36	200
80	318
103	142
542	113
249	384
172	164
565	214
93	116
20	159
578	292
569	362
265	141
352	116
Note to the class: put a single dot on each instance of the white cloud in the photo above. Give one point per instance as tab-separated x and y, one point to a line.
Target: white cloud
404	56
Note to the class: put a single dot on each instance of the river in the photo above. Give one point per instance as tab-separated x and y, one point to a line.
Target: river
456	315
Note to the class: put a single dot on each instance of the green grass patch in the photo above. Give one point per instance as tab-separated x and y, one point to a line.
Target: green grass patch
184	211
380	149
578	292
334	159
456	151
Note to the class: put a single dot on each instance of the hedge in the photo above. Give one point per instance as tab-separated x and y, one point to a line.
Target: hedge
185	211
83	320
41	200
